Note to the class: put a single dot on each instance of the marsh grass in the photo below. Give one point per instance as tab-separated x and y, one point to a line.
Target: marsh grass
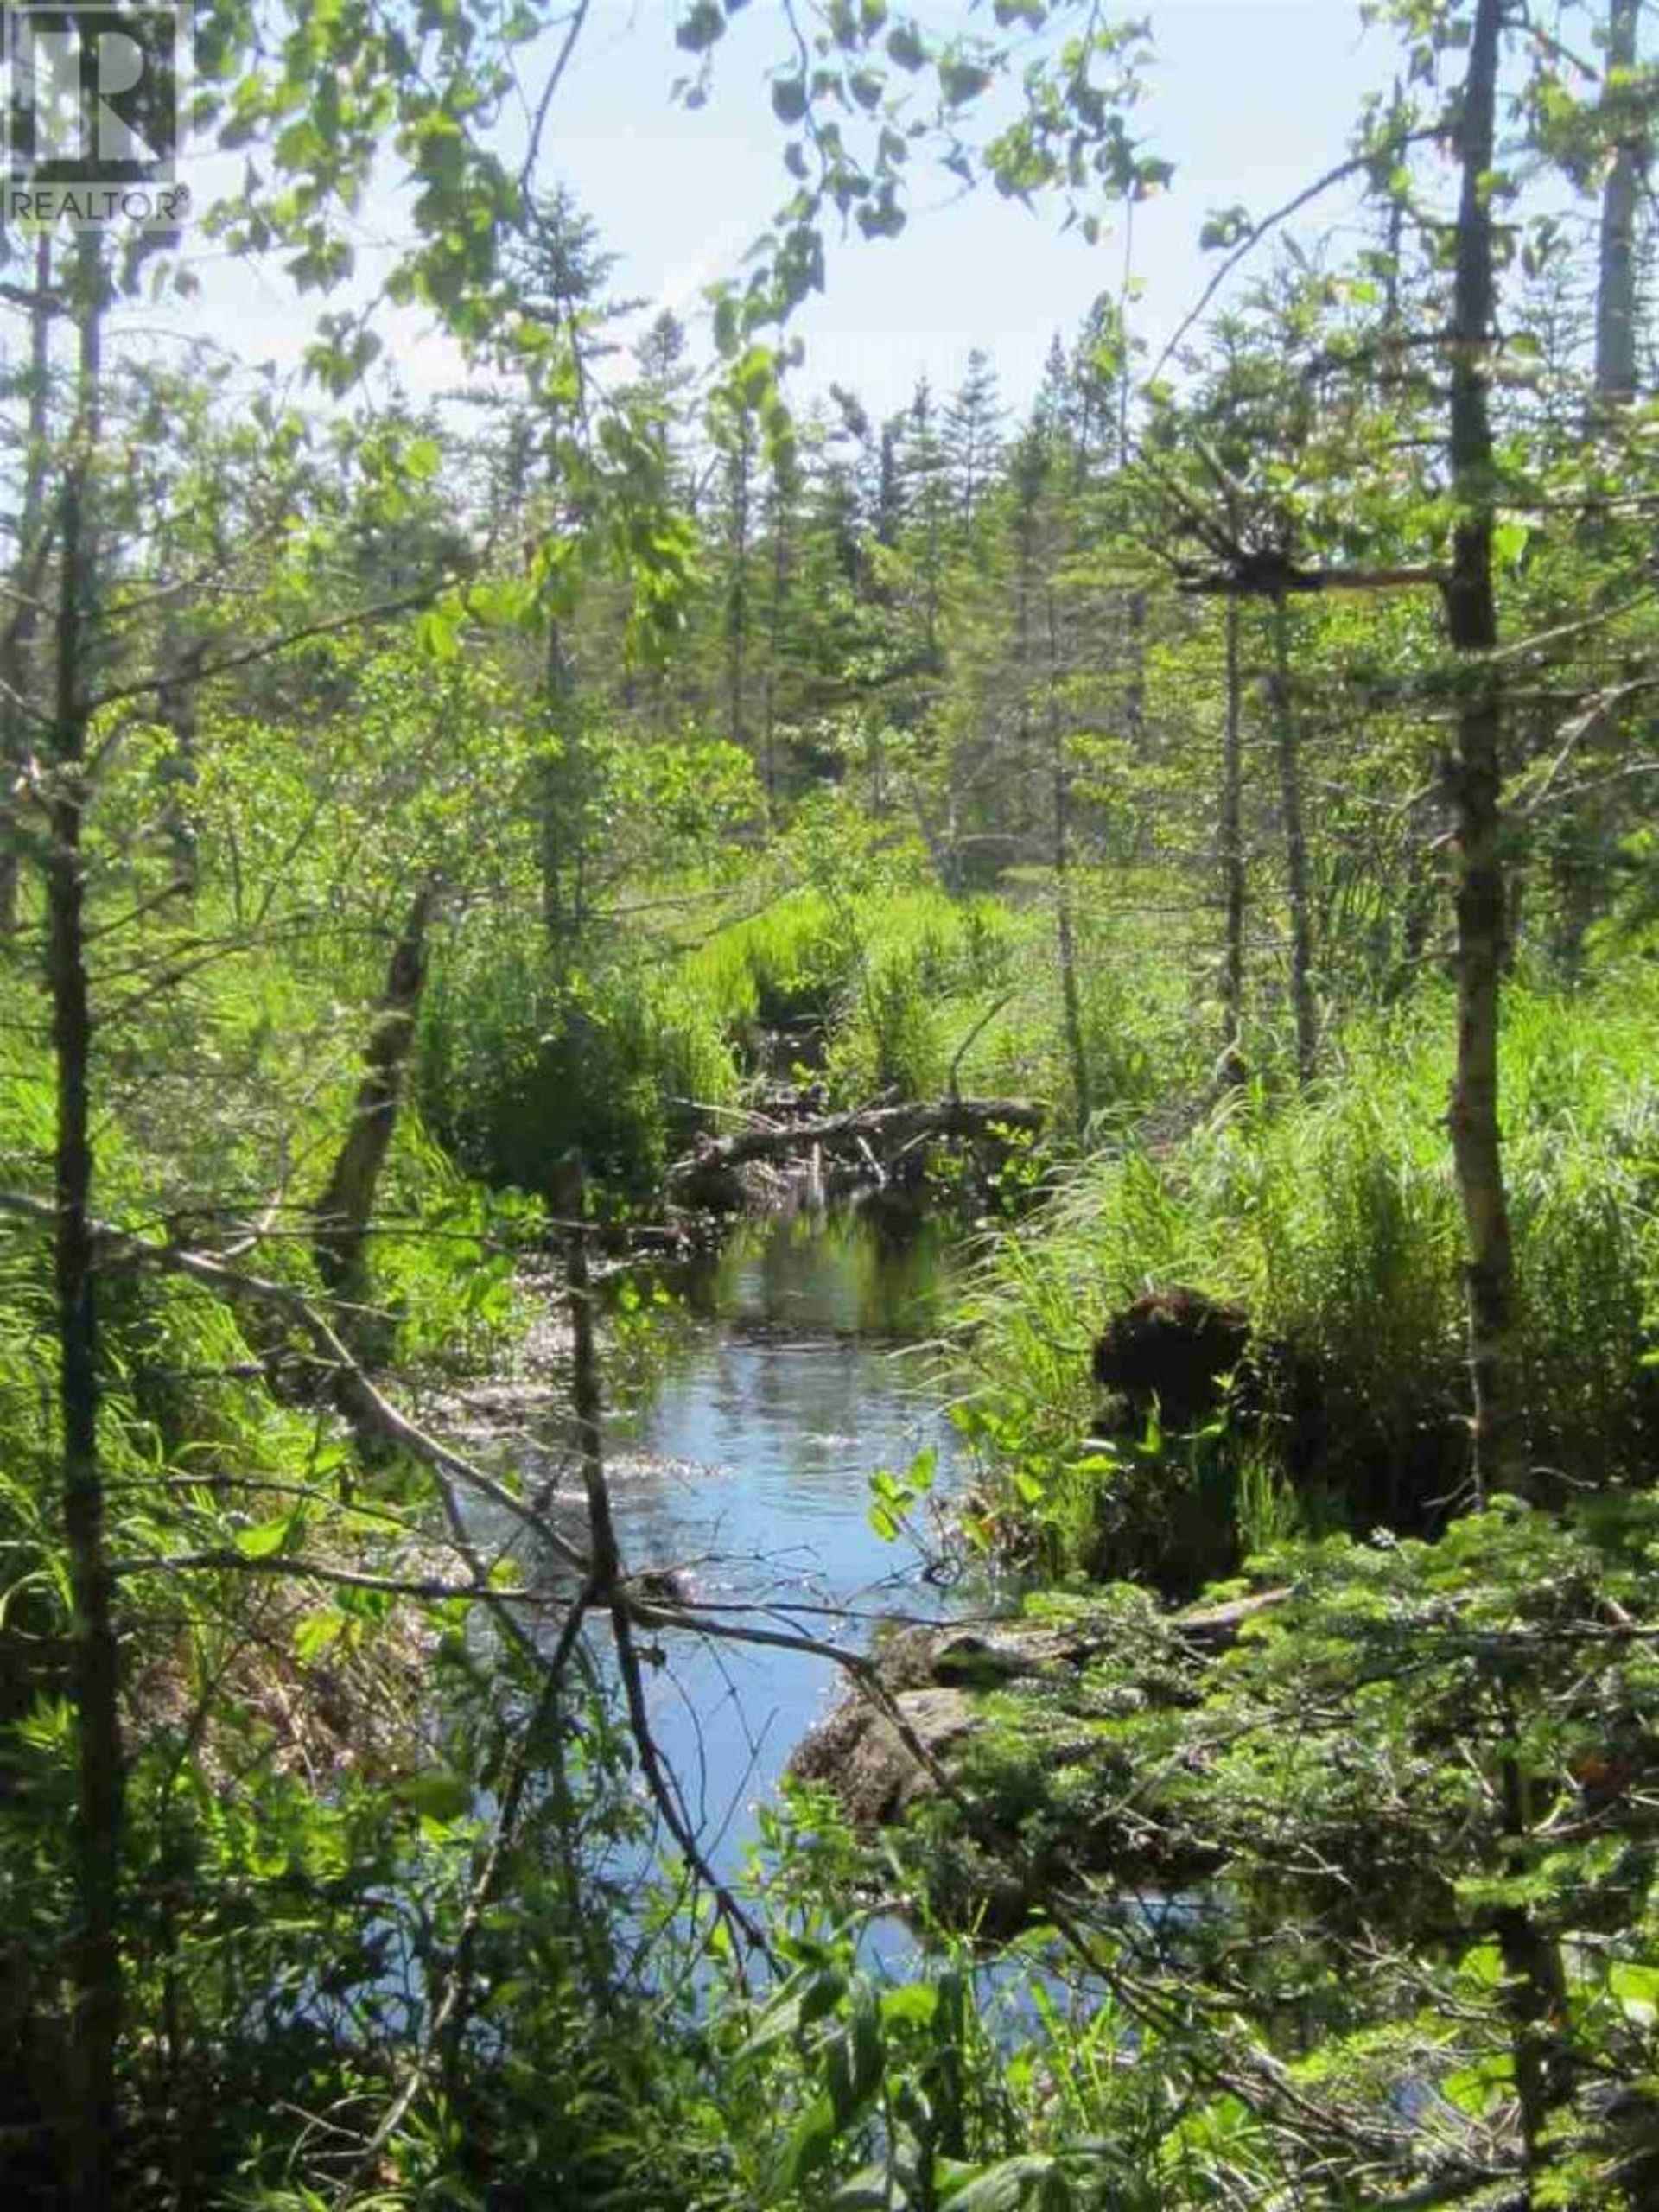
1332	1216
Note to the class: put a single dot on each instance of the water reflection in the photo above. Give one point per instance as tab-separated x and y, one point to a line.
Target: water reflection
876	1270
747	1470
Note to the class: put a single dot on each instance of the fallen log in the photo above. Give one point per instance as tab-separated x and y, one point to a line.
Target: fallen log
881	1131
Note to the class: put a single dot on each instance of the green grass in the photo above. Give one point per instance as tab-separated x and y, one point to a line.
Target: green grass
1333	1217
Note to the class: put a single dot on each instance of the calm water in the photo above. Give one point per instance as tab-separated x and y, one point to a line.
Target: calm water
745	1468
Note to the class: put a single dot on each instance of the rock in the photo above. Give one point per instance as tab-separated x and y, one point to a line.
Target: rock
935	1677
1215	1627
859	1753
982	1660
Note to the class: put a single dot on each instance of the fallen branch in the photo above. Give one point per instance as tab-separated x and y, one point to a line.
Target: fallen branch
876	1128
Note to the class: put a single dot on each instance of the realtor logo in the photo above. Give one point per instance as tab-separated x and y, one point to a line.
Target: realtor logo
95	98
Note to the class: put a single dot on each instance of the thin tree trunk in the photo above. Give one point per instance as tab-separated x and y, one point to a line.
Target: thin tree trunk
1286	745
737	603
1232	858
1475	778
776	626
1135	695
27	580
347	1204
95	1845
1065	919
1616	379
1532	1966
559	795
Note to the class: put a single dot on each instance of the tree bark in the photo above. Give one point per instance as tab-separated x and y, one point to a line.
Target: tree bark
1616	378
28	582
1474	777
95	1956
1065	933
1232	858
1286	746
881	1128
559	796
740	477
344	1210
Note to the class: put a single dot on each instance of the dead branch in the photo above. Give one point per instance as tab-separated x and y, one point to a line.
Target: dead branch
891	1128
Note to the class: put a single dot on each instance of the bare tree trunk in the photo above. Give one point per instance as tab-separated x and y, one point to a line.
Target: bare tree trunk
1232	858
776	626
28	579
1286	745
1134	696
1616	380
1064	918
737	602
95	1957
559	797
1475	780
344	1210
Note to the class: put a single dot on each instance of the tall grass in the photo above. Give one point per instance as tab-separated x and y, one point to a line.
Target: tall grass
521	1059
1333	1217
913	991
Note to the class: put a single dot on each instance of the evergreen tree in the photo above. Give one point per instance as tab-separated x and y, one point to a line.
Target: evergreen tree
973	435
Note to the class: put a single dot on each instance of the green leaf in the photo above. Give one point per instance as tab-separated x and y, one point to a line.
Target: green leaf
317	1633
1000	2188
913	2006
961	81
699	28
905	47
1637	1989
788	98
435	634
811	2145
1509	540
266	1539
437	1794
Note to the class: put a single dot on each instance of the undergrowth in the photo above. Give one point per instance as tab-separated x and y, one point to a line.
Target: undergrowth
1332	1216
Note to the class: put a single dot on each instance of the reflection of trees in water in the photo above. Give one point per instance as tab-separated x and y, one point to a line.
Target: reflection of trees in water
877	1271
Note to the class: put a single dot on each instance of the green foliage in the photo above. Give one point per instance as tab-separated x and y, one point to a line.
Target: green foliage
1332	1216
522	1060
894	758
1402	1804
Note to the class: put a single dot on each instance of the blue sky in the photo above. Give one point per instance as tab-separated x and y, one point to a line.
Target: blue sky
1249	98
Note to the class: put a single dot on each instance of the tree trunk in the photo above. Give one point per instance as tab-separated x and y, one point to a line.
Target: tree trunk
95	1956
1232	859
1290	805
1135	695
769	689
1616	379
28	582
344	1210
1065	933
741	472
1475	780
559	795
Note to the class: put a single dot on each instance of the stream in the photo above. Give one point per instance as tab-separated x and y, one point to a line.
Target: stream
797	1371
